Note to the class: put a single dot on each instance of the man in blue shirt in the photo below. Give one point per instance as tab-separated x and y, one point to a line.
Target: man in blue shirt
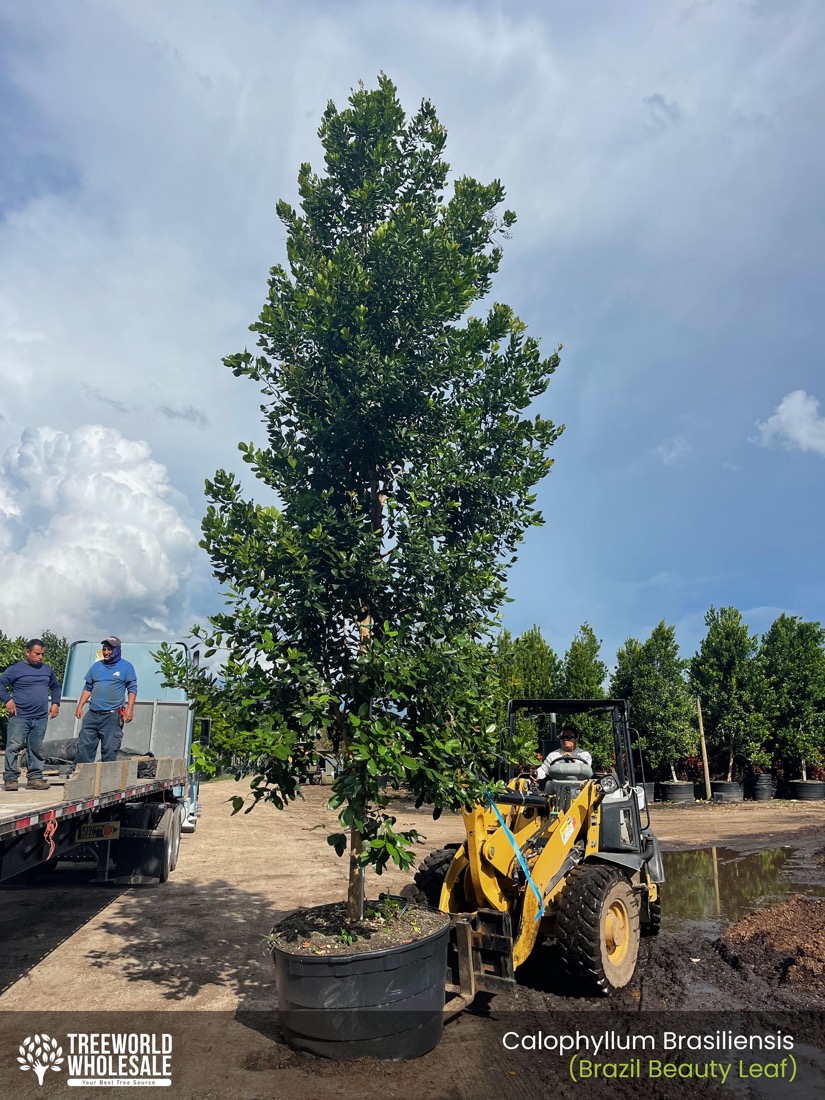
25	688
111	686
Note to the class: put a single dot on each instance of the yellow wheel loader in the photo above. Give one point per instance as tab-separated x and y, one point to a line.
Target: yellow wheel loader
574	864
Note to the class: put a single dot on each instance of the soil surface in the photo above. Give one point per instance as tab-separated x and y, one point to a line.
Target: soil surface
784	944
325	930
193	954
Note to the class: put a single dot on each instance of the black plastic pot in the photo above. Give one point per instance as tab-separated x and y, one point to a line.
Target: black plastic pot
385	1004
723	791
674	792
759	788
806	790
650	792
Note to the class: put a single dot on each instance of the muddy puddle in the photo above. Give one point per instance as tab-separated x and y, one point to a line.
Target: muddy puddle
712	887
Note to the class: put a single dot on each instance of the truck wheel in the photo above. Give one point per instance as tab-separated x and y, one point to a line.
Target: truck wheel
597	929
166	829
177	817
429	878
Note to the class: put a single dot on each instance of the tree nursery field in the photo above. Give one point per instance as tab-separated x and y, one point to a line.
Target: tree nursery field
194	949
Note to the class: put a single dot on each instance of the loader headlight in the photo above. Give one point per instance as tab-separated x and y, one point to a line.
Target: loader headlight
608	784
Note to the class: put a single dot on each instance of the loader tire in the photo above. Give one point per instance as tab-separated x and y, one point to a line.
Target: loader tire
429	878
654	918
597	930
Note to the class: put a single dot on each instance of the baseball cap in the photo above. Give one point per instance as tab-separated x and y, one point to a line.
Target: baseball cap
112	640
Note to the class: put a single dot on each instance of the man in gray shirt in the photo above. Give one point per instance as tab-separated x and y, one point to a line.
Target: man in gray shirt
568	746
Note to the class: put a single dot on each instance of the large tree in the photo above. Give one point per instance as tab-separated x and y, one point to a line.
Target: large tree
724	675
651	676
583	676
792	689
528	668
399	467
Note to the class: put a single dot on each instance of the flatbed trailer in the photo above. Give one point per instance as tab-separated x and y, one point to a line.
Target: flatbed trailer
132	835
126	815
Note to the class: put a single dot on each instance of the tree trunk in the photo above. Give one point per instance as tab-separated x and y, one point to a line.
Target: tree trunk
673	773
355	889
804	771
730	764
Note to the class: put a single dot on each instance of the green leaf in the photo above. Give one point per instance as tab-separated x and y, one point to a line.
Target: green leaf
338	841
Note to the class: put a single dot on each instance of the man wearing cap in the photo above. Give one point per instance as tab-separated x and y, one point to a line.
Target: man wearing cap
111	684
569	746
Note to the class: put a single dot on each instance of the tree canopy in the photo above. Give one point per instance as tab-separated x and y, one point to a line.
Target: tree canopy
792	690
583	676
724	675
527	668
651	676
400	466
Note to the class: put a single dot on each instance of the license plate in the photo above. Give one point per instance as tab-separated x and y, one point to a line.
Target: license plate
99	830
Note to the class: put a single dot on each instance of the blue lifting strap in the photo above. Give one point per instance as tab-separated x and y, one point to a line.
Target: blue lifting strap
519	857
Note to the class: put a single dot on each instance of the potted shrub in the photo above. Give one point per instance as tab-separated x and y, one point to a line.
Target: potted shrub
792	666
651	676
399	471
759	782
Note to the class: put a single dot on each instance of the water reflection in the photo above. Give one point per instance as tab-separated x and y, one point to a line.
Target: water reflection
716	886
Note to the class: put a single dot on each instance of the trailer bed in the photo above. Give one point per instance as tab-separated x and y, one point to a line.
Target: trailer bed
24	810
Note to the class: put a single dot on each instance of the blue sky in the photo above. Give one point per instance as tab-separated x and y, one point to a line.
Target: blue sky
667	164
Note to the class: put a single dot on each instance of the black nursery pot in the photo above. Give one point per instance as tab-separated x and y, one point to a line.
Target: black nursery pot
806	790
384	1004
723	790
759	788
674	792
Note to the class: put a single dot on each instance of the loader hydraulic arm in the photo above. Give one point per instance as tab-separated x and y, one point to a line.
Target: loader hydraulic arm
545	838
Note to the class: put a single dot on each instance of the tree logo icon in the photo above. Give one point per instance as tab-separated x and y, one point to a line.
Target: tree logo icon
40	1053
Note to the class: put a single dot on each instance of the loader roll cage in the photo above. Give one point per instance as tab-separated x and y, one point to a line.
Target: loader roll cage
623	764
625	751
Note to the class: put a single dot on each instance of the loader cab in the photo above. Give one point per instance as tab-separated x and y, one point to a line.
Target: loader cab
624	816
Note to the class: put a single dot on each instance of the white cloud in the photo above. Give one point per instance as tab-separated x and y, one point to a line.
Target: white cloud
666	163
760	619
662	580
796	424
90	536
674	451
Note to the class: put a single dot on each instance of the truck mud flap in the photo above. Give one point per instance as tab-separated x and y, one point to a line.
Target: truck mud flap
143	850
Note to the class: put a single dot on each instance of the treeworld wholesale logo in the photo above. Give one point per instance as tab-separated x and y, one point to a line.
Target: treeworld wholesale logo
101	1058
40	1053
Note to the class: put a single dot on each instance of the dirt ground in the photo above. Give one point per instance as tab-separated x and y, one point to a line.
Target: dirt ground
193	949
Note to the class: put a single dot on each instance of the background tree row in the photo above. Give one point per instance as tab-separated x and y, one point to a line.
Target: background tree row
763	701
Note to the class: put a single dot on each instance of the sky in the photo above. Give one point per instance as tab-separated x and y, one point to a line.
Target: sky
667	165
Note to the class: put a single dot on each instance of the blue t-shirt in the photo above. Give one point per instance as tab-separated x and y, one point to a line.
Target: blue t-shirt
110	684
30	687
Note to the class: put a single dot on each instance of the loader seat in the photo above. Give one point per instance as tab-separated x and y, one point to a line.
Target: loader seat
569	770
564	780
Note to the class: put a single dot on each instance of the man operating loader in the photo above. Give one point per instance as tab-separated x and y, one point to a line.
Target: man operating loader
568	747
